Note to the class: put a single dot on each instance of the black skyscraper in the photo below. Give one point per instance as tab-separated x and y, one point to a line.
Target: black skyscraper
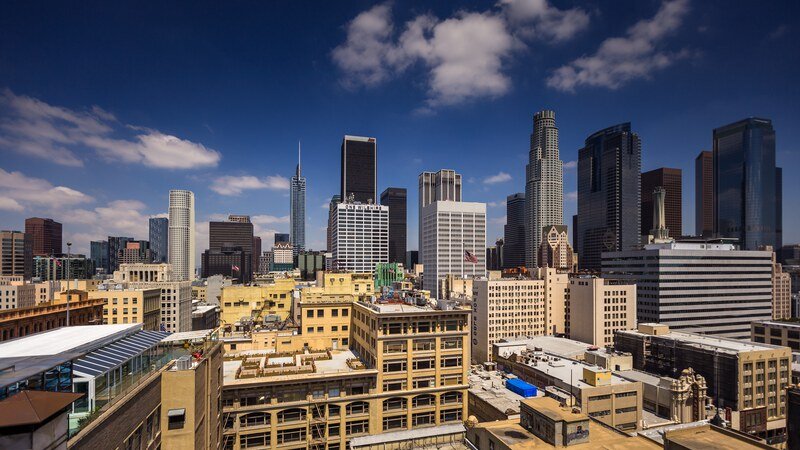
115	245
159	239
747	185
359	174
609	194
395	199
230	251
514	232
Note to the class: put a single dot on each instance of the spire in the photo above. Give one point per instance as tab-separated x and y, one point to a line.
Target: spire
298	158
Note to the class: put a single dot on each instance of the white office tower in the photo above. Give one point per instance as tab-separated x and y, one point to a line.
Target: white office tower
452	241
444	185
699	287
181	234
360	237
544	186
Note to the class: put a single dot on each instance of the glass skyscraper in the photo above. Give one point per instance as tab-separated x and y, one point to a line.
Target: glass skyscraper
297	210
159	238
609	194
747	185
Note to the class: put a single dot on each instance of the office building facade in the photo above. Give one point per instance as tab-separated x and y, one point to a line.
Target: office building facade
359	172
544	188
360	237
159	239
671	181
62	267
707	288
115	246
444	185
609	184
396	200
597	307
514	232
747	184
555	251
297	209
453	241
98	252
704	194
45	235
181	234
16	254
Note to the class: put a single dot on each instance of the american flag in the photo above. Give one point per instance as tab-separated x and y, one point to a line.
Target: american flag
469	257
236	268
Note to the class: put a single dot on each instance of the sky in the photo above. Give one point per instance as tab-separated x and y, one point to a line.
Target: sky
106	106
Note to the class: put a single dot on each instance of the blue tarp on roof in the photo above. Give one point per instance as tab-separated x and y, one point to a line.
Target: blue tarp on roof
520	387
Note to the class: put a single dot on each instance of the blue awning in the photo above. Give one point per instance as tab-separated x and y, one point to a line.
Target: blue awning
101	361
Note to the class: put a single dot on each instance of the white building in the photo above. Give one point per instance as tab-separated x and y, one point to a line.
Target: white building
444	185
17	295
597	307
176	296
449	230
282	253
360	237
181	234
699	287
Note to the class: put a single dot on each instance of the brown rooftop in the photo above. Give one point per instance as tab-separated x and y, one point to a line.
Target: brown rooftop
33	407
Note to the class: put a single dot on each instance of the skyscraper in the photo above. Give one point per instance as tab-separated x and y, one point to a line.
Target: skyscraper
444	185
256	253
335	200
360	236
704	194
45	236
395	199
159	239
230	249
609	200
98	251
281	237
16	254
747	185
297	210
671	181
544	187
116	244
514	232
181	234
359	169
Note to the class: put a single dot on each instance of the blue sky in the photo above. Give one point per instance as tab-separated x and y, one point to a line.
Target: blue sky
105	107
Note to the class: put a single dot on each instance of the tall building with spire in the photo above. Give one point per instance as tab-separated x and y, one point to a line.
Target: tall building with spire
297	212
544	186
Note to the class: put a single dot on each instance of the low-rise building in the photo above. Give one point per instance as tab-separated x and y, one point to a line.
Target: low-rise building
490	399
21	322
125	305
749	378
597	307
611	399
253	303
776	332
204	317
17	295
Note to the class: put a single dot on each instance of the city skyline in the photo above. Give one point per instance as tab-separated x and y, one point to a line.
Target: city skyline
484	137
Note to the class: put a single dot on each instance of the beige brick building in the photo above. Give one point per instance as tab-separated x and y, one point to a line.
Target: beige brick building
597	307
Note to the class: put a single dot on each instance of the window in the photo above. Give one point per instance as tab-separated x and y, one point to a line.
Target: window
320	313
394	385
449	344
344	327
310	313
310	329
254	440
450	415
291	435
357	427
333	429
394	366
422	383
422	345
291	415
450	397
357	408
423	400
391	423
344	313
453	361
334	328
320	329
176	418
334	313
422	363
394	404
394	347
422	419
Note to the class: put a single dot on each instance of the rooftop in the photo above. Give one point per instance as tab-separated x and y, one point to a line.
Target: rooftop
553	410
711	437
401	307
490	387
569	372
33	407
66	339
187	336
407	435
567	348
792	323
259	366
724	345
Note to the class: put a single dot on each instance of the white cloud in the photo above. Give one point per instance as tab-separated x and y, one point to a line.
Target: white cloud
265	219
500	203
116	218
465	56
501	177
622	59
19	191
569	165
35	128
235	185
571	196
498	220
9	204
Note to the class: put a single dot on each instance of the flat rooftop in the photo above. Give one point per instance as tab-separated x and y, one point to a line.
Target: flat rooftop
404	308
644	377
567	348
490	387
551	408
569	372
269	367
724	345
778	323
66	339
409	435
710	437
516	437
